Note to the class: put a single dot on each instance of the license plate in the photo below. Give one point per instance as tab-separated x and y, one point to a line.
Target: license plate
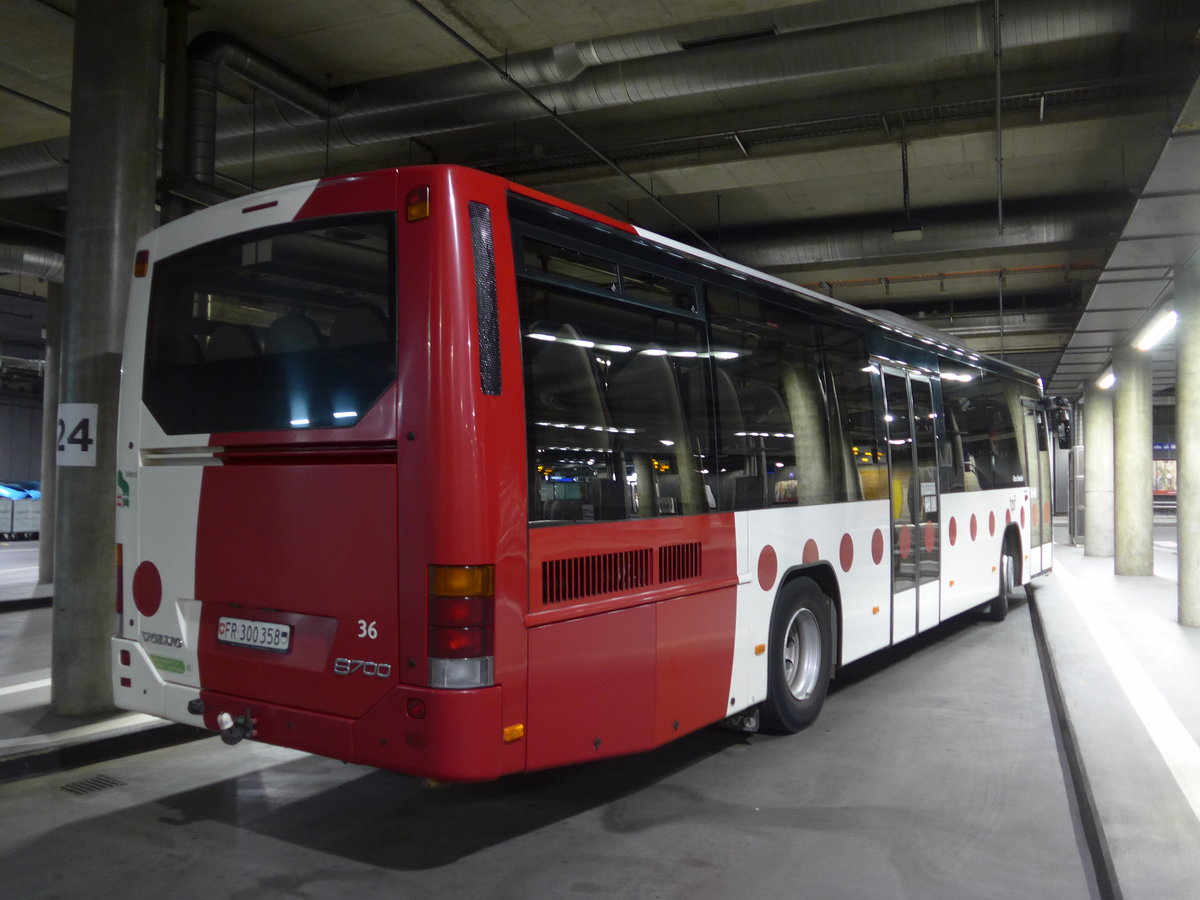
249	633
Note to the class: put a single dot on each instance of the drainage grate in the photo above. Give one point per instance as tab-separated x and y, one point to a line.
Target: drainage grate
92	785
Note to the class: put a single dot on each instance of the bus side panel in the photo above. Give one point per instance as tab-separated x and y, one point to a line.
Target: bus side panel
591	687
973	524
695	657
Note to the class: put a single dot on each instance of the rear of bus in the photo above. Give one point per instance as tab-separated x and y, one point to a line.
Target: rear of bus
314	547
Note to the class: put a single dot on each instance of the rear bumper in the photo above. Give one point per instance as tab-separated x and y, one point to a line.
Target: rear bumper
138	686
459	738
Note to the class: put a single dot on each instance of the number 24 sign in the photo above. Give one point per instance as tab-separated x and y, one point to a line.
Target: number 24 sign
76	441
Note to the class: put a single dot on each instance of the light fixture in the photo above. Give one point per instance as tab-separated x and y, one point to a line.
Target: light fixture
1158	329
1107	380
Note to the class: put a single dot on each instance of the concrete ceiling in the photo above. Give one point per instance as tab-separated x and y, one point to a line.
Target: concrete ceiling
782	134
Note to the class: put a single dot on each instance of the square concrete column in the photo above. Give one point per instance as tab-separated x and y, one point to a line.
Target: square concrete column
1133	481
1098	472
1187	436
110	203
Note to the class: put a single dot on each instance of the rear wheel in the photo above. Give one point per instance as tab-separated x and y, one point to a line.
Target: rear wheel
800	657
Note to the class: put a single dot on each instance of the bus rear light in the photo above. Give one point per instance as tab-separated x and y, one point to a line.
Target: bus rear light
126	682
460	643
461	612
126	659
416	204
415	707
462	602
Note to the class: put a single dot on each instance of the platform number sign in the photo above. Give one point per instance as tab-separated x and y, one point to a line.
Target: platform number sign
76	434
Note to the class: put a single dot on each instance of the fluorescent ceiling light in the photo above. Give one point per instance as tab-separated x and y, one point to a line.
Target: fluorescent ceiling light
1107	380
1157	330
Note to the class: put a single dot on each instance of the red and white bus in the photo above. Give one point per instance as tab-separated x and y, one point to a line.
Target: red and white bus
426	470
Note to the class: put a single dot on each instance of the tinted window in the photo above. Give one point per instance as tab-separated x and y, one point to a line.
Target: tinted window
982	413
276	329
617	409
772	402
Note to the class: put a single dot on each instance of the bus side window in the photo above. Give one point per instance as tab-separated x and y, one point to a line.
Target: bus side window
568	424
857	397
653	436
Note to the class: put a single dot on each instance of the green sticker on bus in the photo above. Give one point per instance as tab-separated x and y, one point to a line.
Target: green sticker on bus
166	664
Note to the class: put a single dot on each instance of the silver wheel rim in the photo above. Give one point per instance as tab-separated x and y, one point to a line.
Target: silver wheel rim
802	654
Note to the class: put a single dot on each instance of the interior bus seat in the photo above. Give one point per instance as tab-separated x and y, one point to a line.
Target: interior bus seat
362	323
644	398
764	414
562	390
291	334
176	350
733	445
230	341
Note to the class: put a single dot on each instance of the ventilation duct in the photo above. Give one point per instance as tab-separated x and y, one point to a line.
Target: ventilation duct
814	39
29	260
1077	222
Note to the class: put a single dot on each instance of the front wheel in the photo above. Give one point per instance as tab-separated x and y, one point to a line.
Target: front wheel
997	608
800	659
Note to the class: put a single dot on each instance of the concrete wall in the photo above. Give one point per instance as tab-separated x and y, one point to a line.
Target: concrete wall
20	438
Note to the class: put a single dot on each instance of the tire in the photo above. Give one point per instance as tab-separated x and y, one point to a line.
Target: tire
997	608
800	658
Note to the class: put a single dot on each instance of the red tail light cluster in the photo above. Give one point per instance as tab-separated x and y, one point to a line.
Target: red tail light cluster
462	602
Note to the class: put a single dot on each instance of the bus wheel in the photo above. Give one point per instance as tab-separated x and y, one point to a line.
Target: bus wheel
997	608
801	657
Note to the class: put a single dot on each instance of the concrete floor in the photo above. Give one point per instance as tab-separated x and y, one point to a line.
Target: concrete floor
936	771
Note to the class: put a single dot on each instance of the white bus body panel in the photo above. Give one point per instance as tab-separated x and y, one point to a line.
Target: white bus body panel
158	488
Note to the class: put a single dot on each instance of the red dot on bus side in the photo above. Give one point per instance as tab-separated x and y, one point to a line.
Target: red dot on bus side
992	524
811	553
952	531
930	535
1022	517
768	567
974	526
905	541
877	546
847	552
1008	517
1046	514
147	588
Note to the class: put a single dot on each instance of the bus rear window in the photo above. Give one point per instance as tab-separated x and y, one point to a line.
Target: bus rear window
282	328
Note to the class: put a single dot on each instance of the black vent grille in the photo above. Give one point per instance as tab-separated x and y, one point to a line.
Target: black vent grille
591	576
92	785
678	562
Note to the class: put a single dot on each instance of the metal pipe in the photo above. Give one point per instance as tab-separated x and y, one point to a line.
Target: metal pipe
998	51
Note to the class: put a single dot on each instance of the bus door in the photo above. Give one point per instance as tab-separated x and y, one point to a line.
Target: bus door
912	462
1037	479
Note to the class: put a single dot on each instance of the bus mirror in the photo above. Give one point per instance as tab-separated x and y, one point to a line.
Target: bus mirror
1058	414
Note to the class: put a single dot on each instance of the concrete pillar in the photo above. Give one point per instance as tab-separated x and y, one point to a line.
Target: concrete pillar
1098	472
110	201
54	305
1187	436
1133	481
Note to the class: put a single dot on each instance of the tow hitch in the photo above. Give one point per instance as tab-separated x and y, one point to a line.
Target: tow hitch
233	730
